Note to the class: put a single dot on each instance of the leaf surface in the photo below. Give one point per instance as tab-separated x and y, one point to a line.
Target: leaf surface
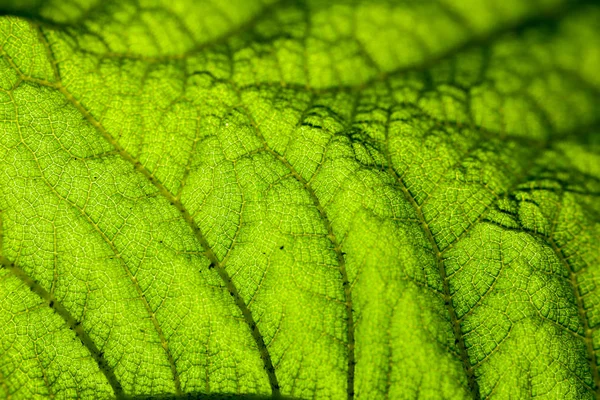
301	199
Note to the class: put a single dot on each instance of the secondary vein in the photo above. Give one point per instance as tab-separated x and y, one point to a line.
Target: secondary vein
71	322
337	248
209	252
130	275
587	330
458	336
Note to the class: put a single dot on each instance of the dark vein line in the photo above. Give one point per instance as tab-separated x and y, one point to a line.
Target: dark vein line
458	336
109	242
337	248
71	322
543	18
249	24
43	38
518	179
187	170
581	311
51	393
209	252
151	313
588	332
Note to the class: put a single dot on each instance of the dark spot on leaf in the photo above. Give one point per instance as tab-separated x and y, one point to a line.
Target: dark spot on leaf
281	248
51	303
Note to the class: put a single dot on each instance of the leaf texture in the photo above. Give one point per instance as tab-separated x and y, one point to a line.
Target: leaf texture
299	199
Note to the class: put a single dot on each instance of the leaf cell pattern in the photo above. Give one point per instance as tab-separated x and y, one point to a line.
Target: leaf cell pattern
299	199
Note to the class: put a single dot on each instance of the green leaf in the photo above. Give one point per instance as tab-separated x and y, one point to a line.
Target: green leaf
299	199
